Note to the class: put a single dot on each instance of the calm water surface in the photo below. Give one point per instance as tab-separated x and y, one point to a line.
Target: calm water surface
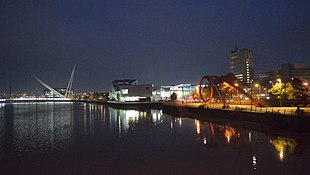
82	138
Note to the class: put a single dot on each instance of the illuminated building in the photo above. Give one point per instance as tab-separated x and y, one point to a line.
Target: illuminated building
183	91
241	64
129	90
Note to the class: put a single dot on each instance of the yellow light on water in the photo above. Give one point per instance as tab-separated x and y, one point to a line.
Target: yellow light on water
228	135
197	127
281	155
283	145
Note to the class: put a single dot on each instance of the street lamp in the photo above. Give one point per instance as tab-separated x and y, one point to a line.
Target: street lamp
257	86
271	83
259	90
236	84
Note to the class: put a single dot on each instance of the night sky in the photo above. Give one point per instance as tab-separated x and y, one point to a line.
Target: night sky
158	41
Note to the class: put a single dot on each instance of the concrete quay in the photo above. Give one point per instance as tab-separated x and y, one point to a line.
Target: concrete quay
292	120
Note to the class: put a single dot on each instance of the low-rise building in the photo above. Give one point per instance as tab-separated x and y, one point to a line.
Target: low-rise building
129	90
184	92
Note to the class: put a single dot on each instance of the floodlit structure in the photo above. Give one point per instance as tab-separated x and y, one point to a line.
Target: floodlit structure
57	92
129	90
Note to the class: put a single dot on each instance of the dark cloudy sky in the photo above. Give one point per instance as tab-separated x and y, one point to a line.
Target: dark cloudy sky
157	41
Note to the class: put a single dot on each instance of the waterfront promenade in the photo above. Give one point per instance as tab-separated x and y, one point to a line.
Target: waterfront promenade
305	111
278	118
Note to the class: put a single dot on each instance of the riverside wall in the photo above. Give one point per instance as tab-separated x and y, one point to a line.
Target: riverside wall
276	120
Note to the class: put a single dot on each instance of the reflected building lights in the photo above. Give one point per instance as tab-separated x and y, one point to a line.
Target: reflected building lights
39	132
51	125
57	127
205	140
119	125
128	120
250	137
254	162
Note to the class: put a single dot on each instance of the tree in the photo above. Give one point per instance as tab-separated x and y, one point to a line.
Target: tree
301	92
205	93
293	90
173	96
278	91
226	89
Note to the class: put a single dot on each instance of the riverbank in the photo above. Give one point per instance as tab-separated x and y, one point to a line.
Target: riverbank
274	120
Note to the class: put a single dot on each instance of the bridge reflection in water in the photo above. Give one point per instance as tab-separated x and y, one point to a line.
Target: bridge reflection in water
92	138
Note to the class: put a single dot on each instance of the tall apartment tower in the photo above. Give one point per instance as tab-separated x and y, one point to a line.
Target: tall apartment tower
241	64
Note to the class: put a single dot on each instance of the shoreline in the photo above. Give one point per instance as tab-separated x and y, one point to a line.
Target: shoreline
272	120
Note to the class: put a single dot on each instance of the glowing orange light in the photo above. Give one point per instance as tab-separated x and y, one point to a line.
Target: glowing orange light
198	127
228	135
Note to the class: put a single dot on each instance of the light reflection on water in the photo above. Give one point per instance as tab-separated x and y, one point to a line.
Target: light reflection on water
88	129
35	127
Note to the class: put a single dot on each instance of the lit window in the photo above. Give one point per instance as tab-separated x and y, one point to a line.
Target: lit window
124	91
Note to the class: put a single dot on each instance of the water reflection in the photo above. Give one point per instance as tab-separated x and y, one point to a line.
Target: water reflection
214	134
133	137
283	145
129	120
98	119
29	127
35	127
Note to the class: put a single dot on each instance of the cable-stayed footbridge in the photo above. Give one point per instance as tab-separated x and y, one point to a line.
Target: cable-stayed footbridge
56	93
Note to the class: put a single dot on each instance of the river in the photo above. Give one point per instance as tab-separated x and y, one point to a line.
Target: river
85	138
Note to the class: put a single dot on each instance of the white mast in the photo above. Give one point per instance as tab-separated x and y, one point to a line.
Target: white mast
47	86
69	86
